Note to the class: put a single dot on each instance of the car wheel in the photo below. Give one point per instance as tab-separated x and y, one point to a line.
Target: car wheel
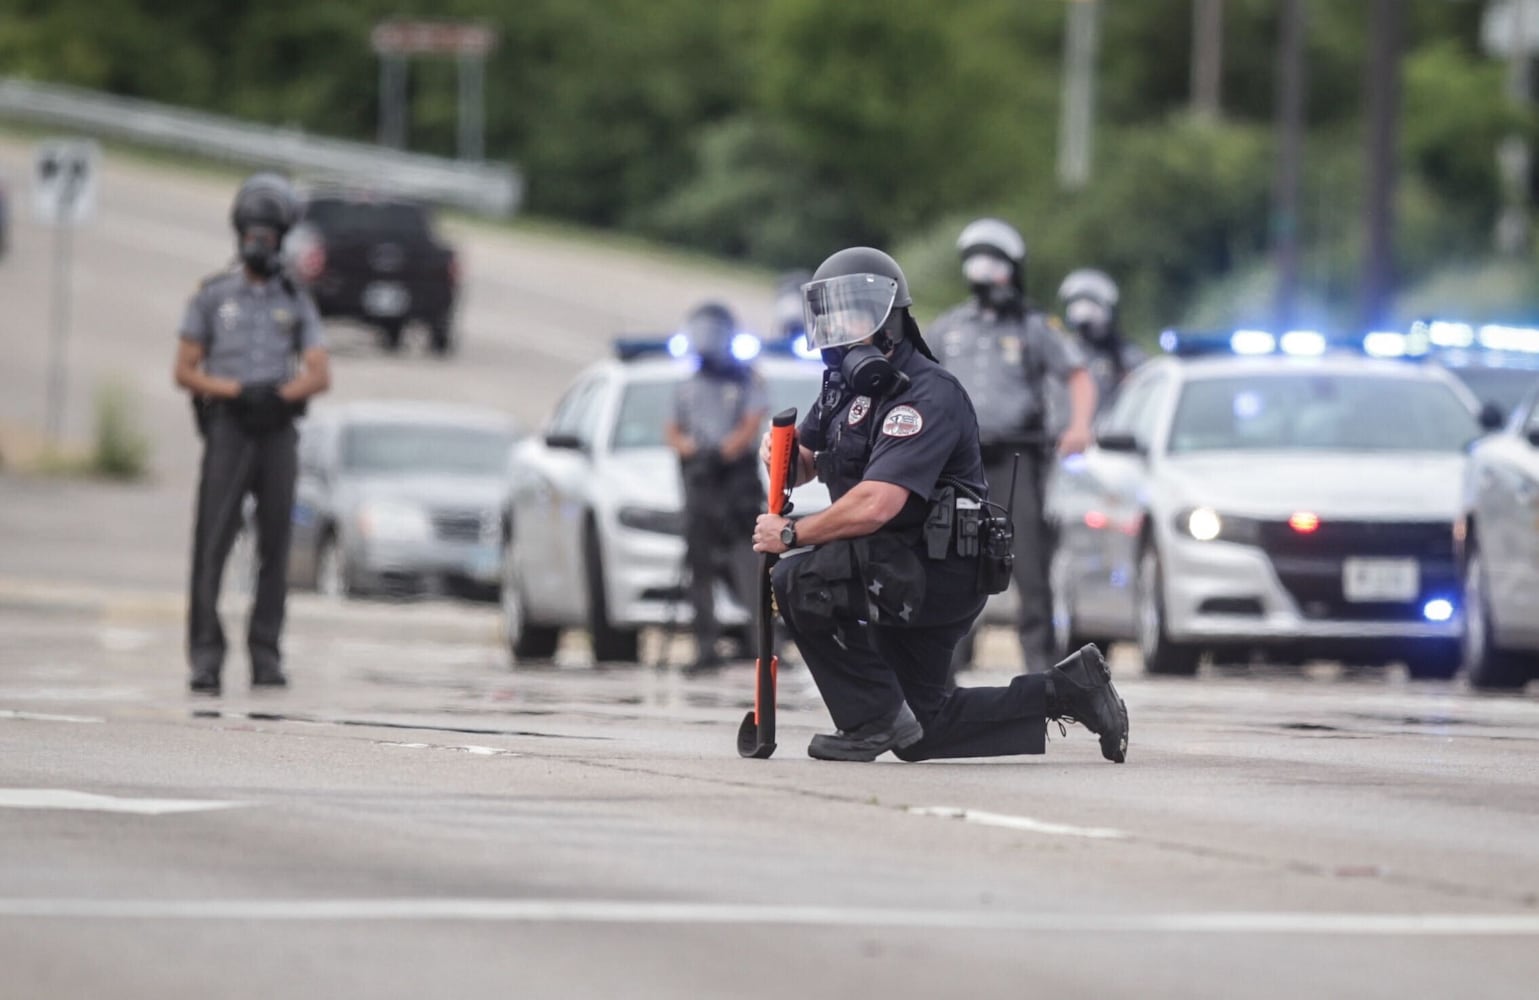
609	643
441	336
390	336
1488	668
332	577
1161	655
525	641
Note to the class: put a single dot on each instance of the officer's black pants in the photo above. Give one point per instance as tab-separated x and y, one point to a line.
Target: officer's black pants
1035	540
864	672
236	463
719	514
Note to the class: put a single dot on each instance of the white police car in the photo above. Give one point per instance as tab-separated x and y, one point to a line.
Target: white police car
1256	492
593	529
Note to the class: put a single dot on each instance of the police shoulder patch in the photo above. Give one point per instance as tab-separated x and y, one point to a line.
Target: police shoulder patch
903	421
859	410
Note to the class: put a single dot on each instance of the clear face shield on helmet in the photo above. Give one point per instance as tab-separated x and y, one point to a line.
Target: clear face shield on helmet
846	309
1091	318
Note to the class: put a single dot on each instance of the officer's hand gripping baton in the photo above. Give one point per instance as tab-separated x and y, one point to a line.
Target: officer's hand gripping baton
756	736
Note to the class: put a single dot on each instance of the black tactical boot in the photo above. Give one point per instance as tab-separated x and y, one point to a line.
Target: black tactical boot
870	741
204	682
1082	692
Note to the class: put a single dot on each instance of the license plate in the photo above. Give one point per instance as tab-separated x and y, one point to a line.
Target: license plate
385	298
1380	579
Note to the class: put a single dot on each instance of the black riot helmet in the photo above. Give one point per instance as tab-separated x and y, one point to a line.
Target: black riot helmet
265	199
265	209
857	294
709	328
994	262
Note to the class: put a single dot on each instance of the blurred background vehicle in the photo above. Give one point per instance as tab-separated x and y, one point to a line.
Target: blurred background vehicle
593	531
1499	363
1499	553
1299	502
377	260
400	498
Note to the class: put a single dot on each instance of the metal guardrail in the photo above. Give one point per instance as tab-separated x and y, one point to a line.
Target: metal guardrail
484	188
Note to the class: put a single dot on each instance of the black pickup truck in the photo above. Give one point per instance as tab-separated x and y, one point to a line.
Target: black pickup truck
376	260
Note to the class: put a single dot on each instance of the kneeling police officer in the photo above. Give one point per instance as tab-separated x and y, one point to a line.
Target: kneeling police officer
901	562
250	353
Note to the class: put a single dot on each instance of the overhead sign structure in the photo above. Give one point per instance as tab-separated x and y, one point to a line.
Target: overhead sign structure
397	41
64	181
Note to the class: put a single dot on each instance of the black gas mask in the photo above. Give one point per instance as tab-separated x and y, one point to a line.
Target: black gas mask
259	247
865	369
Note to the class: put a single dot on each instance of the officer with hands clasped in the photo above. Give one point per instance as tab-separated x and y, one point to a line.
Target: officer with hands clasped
250	354
1016	368
1089	301
717	413
893	573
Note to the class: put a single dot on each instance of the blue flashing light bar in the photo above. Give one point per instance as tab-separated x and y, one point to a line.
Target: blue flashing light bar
1438	610
745	347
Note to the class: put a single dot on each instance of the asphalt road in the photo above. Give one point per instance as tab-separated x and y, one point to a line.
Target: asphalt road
418	817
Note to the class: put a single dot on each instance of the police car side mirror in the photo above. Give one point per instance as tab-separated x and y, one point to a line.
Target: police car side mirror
1533	436
1119	442
568	442
1491	417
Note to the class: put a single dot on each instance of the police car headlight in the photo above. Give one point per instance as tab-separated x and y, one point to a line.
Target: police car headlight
662	522
389	520
1206	525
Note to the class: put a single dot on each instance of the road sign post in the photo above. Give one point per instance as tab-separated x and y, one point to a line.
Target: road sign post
397	40
64	196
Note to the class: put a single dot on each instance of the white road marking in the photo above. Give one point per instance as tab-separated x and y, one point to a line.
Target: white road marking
61	798
467	748
6	713
716	914
1009	822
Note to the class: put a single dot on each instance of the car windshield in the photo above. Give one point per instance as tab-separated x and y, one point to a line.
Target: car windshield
1320	411
646	407
1506	387
375	219
411	449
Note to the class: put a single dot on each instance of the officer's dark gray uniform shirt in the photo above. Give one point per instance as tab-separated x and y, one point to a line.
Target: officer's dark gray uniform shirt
251	332
1011	366
707	406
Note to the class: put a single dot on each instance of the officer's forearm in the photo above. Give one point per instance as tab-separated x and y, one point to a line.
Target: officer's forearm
314	377
188	373
1081	398
863	510
806	466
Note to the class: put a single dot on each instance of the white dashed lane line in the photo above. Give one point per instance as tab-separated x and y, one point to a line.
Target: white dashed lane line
1025	823
62	798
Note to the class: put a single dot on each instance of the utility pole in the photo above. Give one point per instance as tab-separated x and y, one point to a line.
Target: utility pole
1207	57
1290	142
1076	126
1383	86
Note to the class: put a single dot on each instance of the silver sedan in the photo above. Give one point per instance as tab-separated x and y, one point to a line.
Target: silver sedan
400	498
1299	506
1499	535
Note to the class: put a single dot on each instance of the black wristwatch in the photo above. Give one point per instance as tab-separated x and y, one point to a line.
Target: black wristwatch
788	535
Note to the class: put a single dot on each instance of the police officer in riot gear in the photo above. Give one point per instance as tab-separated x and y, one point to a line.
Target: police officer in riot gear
1014	365
1089	300
893	573
717	414
250	353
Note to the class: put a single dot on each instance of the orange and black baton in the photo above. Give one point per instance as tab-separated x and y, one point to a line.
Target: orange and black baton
756	736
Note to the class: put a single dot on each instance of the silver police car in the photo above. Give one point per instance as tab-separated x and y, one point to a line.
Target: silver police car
593	527
1498	538
1263	493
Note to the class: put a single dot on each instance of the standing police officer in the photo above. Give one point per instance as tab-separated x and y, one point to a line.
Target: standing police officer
717	414
250	354
1089	301
1012	363
894	577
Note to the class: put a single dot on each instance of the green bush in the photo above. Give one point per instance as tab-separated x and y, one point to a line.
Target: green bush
120	448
